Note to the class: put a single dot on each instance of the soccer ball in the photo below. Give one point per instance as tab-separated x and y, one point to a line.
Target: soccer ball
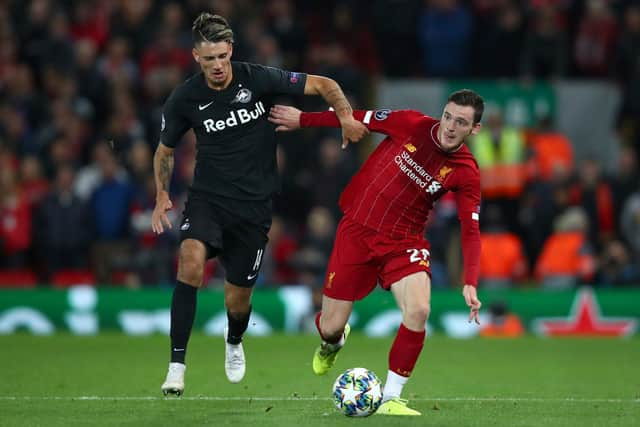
357	392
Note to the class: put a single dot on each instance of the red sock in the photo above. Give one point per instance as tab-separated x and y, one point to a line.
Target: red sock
318	324
405	351
335	341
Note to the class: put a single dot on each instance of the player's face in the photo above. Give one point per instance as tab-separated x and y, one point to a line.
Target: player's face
215	61
455	125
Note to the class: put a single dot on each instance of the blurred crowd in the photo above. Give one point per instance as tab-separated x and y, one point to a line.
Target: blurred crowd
82	83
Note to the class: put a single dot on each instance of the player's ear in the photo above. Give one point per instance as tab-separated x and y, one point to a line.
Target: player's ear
195	54
476	128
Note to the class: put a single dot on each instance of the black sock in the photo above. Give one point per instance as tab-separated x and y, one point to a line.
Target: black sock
183	310
238	323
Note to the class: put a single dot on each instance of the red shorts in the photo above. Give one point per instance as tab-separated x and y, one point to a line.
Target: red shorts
362	257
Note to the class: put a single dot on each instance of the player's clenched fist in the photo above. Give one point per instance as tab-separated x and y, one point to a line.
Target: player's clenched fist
352	131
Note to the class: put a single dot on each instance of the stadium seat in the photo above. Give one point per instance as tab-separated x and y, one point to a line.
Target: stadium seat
17	279
66	278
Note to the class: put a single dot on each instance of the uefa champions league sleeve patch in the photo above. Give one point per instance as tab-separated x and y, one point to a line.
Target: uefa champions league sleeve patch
382	114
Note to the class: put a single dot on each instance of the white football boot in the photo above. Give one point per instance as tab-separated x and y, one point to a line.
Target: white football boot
174	383
234	363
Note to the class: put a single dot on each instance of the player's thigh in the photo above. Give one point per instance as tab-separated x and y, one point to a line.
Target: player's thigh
241	257
413	293
200	222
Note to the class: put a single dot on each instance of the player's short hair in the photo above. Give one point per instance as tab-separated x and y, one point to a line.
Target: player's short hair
211	28
467	97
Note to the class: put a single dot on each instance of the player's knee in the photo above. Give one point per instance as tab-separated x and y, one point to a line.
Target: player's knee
237	300
418	313
190	269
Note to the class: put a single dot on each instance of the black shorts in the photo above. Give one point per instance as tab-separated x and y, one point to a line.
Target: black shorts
237	241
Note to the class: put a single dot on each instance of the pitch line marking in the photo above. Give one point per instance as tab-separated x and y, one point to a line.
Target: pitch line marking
293	398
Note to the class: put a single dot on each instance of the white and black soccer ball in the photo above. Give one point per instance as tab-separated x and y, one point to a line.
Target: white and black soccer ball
357	392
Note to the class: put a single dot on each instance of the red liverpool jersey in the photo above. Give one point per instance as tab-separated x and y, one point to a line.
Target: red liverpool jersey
395	189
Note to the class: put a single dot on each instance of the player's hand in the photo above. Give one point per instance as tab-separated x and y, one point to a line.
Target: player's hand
471	298
352	131
159	216
287	118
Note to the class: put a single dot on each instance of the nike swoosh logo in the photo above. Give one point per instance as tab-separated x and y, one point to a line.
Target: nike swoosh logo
251	276
178	349
202	107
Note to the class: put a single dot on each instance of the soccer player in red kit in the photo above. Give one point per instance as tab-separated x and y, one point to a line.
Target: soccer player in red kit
380	238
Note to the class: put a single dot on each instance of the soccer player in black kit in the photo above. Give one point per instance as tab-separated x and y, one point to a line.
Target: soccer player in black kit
228	210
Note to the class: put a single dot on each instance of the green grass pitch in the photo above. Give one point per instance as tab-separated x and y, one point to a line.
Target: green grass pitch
115	380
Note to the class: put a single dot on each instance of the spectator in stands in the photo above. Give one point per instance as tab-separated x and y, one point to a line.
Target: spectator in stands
625	180
164	53
124	125
545	46
315	248
64	226
291	35
333	171
117	65
15	221
111	204
627	71
56	49
596	40
173	21
498	41
502	260
396	35
90	23
27	102
352	29
594	194
499	150
552	152
90	175
33	184
151	255
616	266
91	84
139	162
630	224
133	21
567	257
13	128
444	31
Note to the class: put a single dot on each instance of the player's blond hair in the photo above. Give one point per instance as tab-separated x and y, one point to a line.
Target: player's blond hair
211	28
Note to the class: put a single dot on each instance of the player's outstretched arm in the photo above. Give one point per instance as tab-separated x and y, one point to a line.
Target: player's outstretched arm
162	170
352	130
